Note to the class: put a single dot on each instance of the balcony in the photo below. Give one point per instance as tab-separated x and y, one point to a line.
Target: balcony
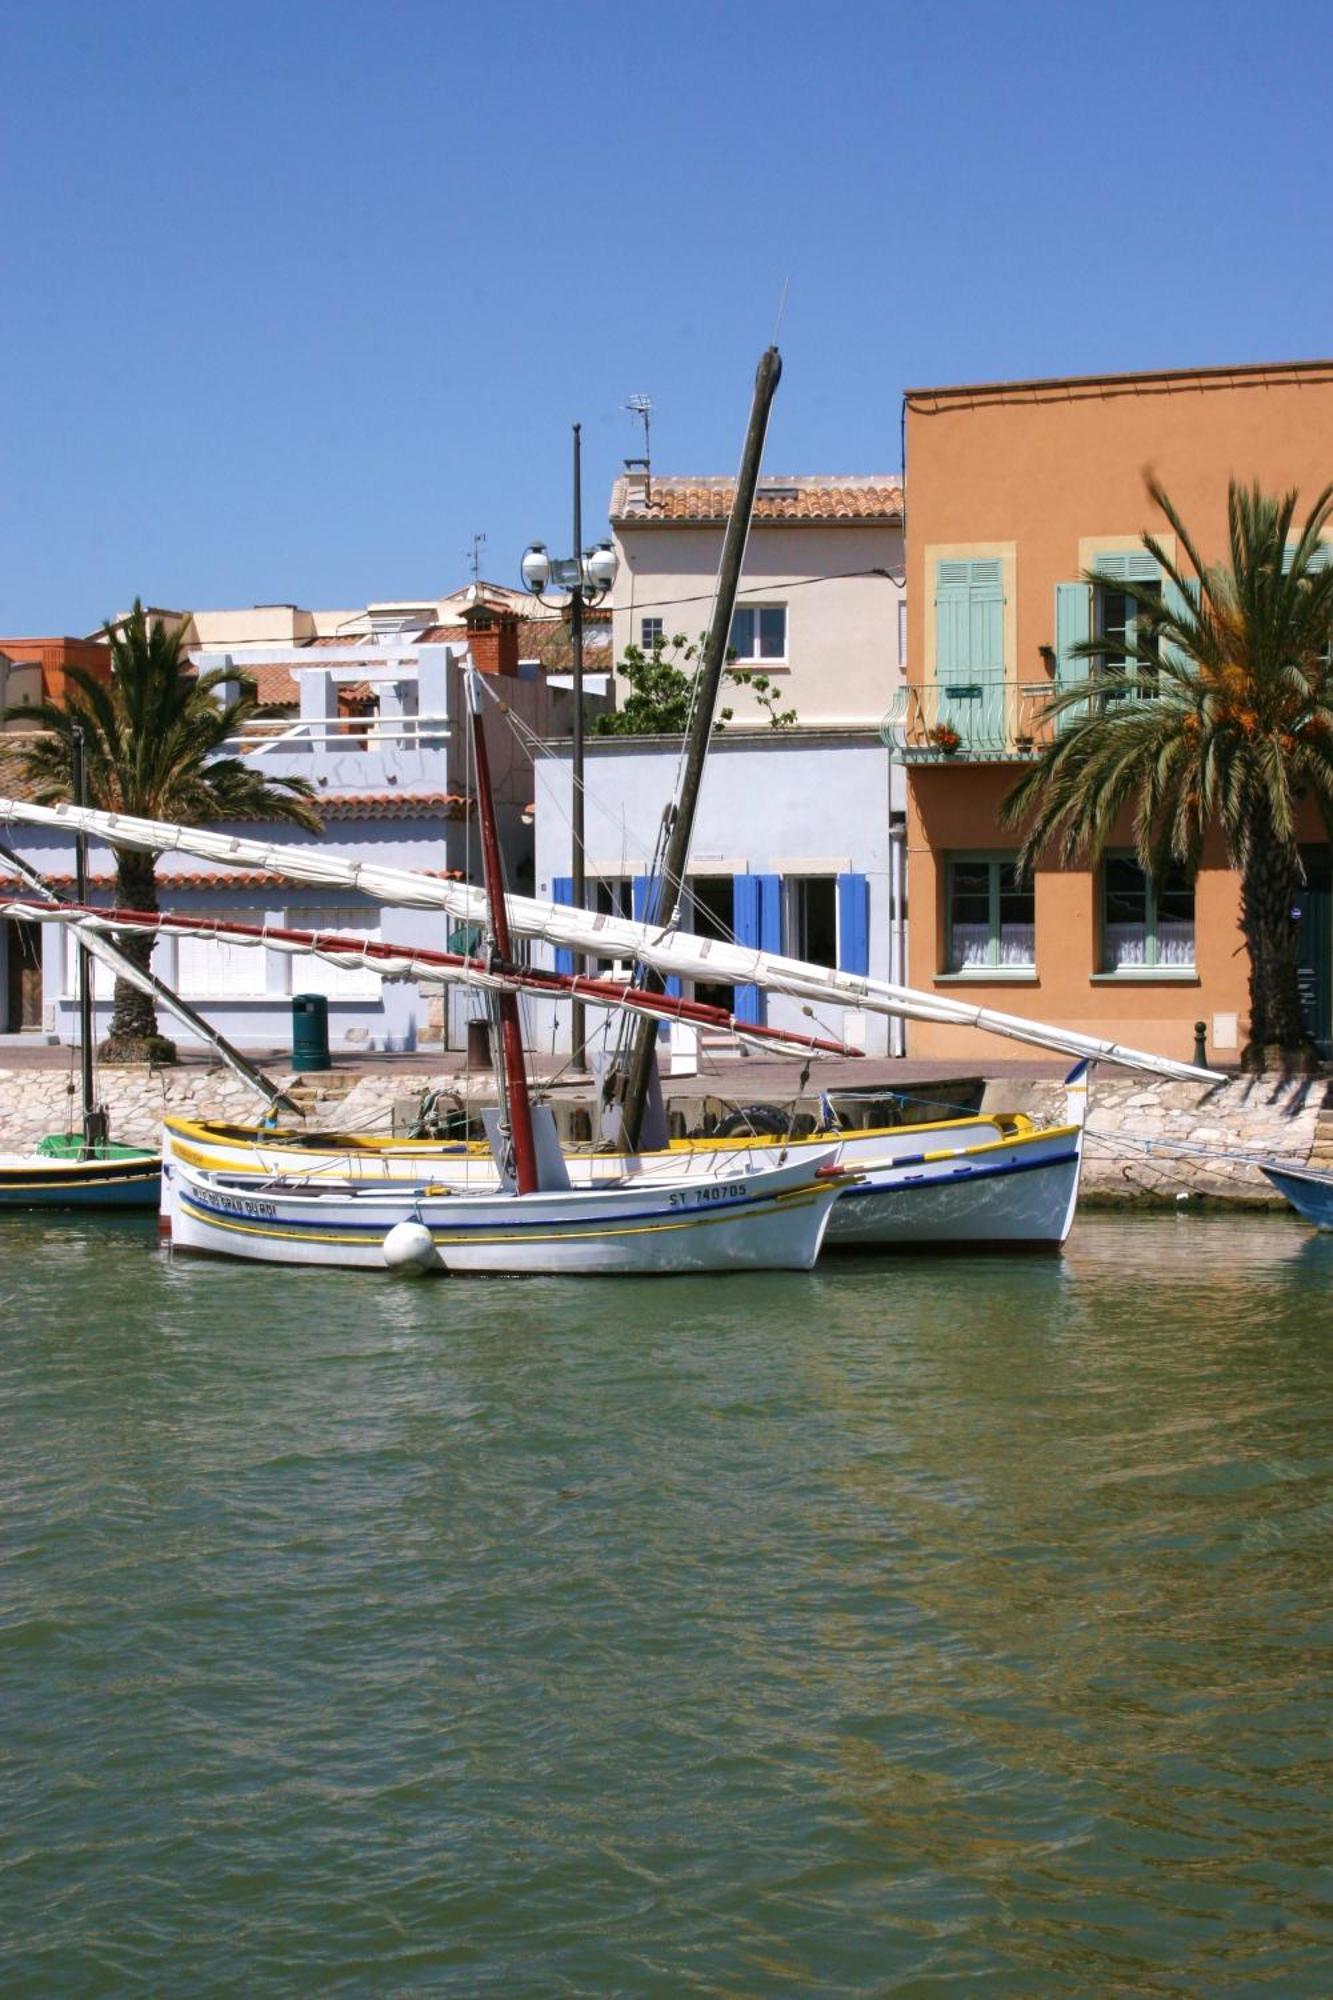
970	722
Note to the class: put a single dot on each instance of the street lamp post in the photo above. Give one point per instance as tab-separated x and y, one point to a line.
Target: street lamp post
576	581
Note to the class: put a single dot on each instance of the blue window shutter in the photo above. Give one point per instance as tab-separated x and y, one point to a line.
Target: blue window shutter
758	917
643	890
562	891
853	924
1073	627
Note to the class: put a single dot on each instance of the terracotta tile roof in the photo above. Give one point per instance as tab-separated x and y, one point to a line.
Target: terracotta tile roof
276	687
435	635
391	805
803	497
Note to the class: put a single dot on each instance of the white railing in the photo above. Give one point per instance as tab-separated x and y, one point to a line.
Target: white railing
345	732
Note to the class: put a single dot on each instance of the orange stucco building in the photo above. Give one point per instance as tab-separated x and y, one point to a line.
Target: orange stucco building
1014	490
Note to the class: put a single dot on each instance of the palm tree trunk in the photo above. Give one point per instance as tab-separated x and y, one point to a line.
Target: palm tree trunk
1270	890
133	1035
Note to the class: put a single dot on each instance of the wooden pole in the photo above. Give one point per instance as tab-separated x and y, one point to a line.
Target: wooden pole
680	815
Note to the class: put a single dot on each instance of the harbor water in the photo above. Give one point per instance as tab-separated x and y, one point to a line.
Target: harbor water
918	1626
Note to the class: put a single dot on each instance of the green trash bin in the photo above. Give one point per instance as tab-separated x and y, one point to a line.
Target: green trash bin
310	1031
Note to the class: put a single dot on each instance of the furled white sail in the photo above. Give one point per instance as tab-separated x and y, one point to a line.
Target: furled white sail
668	952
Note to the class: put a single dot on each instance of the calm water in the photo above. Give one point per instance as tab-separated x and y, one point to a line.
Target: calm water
913	1628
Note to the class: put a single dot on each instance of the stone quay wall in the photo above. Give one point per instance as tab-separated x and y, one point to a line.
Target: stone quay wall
1149	1143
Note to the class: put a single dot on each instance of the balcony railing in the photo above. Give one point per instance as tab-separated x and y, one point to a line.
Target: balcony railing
339	732
976	721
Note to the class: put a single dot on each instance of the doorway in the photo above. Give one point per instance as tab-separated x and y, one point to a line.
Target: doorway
713	902
23	976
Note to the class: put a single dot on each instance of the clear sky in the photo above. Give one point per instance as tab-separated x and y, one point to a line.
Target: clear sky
299	296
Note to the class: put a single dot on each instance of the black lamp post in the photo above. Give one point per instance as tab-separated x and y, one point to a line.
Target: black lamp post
575	581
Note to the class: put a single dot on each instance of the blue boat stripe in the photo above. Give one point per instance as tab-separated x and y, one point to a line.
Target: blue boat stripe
950	1176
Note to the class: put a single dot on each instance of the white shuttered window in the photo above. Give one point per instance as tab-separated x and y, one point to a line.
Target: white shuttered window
337	982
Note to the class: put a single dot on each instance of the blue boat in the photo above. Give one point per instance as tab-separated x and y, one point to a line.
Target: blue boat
63	1173
1309	1191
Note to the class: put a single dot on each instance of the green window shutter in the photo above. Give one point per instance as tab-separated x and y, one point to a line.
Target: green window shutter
969	615
969	646
1176	602
1073	627
1321	558
1127	566
952	642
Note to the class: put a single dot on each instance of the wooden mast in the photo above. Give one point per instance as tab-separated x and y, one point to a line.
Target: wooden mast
680	813
513	1069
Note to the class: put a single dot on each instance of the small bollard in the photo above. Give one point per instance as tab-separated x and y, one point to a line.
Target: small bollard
1200	1046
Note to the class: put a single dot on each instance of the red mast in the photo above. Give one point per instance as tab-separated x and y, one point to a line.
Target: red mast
513	1070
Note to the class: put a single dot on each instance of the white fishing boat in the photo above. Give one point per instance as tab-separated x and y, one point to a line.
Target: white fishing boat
773	1220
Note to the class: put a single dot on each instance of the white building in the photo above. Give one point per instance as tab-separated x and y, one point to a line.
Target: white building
376	722
798	845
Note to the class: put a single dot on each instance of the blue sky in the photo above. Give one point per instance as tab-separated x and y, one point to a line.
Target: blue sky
300	296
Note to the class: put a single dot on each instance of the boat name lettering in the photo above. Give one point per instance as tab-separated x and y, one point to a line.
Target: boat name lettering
236	1204
714	1191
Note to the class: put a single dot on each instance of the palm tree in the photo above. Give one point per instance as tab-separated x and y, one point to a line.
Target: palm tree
151	738
1236	731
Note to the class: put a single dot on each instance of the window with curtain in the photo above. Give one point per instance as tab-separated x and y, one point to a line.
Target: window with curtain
1145	923
336	982
992	916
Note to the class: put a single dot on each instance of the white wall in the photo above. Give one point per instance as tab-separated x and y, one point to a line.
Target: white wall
843	663
785	803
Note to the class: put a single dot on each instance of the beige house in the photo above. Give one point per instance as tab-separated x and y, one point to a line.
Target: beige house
820	608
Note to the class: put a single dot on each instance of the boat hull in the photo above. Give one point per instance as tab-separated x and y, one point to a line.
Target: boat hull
770	1221
1017	1194
34	1181
1310	1193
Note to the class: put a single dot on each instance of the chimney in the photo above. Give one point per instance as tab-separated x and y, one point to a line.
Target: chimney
492	635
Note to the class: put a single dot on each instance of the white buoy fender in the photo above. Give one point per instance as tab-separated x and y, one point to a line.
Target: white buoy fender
410	1250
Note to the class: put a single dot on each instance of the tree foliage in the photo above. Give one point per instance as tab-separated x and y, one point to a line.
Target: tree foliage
1217	713
153	738
661	683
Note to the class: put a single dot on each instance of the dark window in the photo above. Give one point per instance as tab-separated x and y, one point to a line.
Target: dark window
812	918
759	632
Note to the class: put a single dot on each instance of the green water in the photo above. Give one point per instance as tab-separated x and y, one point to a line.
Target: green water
912	1628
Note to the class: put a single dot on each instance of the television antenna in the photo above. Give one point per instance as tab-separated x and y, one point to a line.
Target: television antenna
642	408
474	560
